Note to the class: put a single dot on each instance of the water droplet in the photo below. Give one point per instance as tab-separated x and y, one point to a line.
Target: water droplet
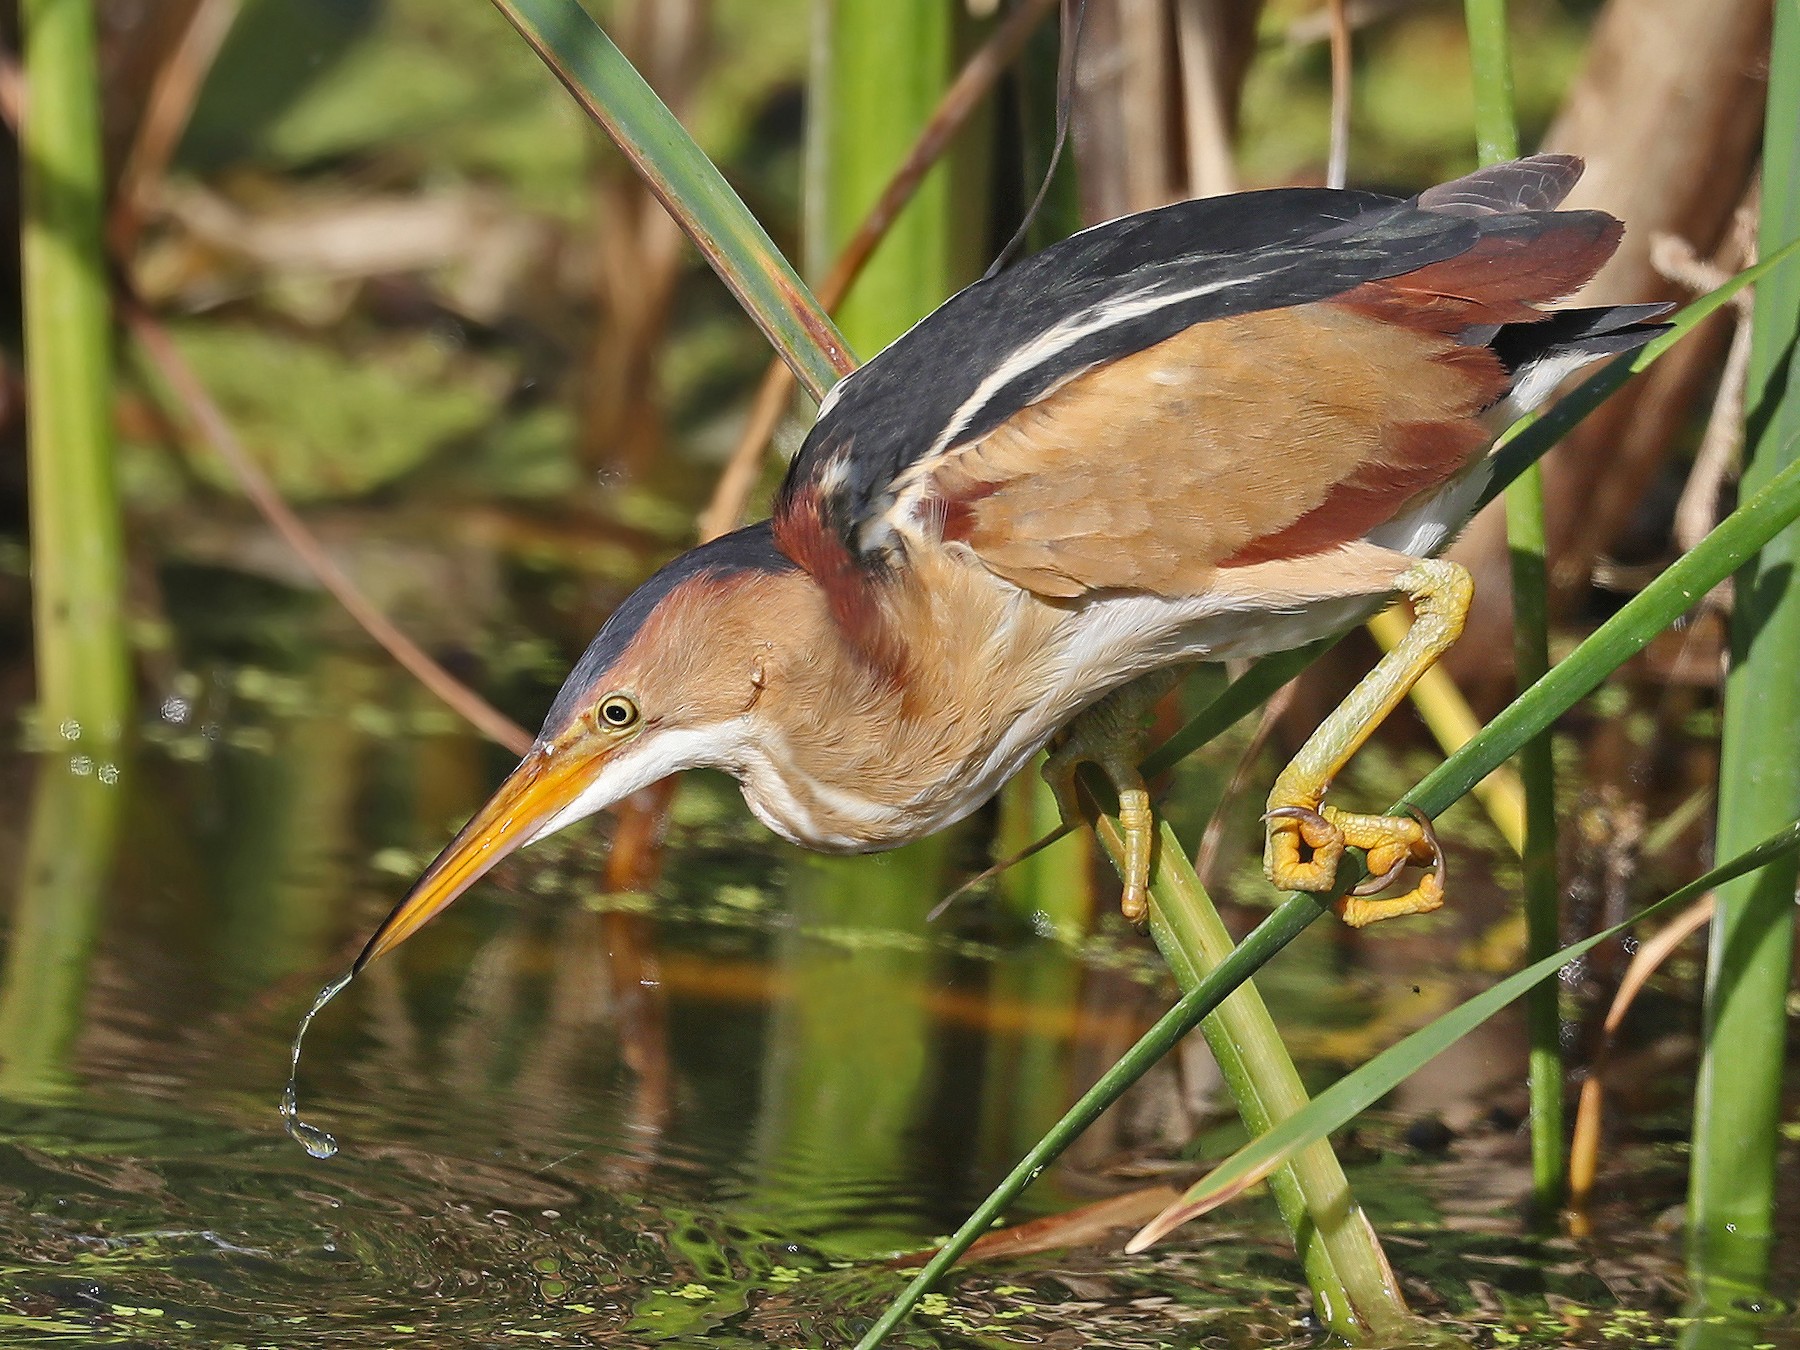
80	765
70	730
310	1137
175	709
314	1140
109	774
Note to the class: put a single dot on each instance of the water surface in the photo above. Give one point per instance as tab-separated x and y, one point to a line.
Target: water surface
707	1115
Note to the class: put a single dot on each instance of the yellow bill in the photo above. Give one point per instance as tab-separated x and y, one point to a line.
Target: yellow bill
544	786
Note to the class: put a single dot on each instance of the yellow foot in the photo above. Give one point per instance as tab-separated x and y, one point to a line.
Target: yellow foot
1306	839
1140	830
1110	736
1305	846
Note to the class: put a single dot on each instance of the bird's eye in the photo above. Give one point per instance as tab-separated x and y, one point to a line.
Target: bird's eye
617	712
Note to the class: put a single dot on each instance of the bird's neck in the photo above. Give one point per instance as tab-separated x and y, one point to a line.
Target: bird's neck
851	757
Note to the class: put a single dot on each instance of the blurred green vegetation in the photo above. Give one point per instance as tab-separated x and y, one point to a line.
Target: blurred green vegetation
309	107
326	426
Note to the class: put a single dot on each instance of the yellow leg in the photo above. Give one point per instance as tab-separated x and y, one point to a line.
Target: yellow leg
1306	839
1110	736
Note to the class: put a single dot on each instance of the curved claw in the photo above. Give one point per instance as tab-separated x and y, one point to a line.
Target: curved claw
1375	885
1357	909
1428	827
1290	866
1306	815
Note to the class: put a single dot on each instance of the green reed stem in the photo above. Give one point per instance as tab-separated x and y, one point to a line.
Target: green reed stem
1497	138
1354	1290
878	73
1269	937
1537	771
1749	961
77	551
64	869
1490	58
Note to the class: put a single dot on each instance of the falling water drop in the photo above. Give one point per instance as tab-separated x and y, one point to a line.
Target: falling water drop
310	1137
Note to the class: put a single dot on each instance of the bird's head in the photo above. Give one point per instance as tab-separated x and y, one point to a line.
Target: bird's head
670	683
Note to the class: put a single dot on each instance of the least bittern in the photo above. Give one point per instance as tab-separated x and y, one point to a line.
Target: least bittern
1219	429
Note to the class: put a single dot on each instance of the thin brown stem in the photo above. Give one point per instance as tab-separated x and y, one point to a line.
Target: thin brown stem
1337	168
211	423
964	95
1584	1147
731	494
167	110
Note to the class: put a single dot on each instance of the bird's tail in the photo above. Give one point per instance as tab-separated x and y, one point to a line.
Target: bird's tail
1540	355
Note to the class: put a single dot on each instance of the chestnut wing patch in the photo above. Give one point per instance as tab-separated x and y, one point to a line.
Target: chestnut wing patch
1274	434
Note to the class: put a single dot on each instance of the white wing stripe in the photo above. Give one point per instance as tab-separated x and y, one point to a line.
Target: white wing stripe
907	488
1059	339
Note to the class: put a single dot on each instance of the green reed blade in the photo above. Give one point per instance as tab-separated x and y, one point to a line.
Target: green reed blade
583	57
1497	135
1343	1100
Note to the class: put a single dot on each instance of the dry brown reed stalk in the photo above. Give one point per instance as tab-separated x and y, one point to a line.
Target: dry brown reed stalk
168	106
1123	127
1084	1226
1584	1146
1337	167
205	416
1210	37
1722	443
